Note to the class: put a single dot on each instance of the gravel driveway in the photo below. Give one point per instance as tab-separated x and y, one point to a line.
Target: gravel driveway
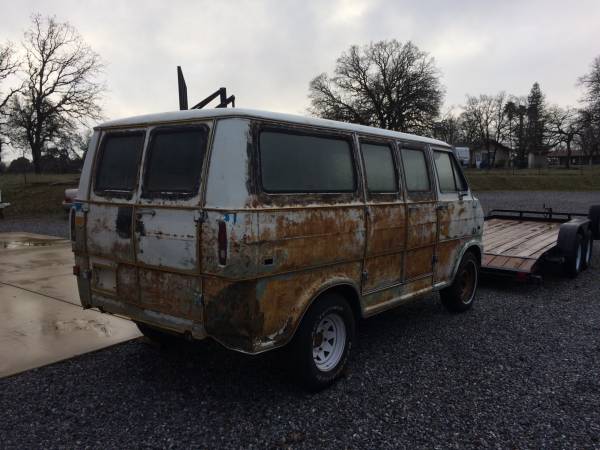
520	369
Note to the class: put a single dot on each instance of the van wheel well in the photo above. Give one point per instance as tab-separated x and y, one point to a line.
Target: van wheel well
350	294
476	251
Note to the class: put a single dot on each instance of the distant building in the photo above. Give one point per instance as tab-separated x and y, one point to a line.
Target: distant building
578	158
480	155
463	154
536	160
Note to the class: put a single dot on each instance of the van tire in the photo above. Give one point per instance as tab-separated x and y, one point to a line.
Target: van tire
316	367
588	250
459	296
574	258
162	338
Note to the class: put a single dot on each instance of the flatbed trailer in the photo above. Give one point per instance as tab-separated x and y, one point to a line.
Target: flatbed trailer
521	243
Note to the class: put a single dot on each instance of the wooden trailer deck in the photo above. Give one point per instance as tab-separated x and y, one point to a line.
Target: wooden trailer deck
516	245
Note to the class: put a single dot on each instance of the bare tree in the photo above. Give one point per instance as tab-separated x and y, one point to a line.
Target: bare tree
8	68
589	136
486	114
448	128
385	84
564	124
61	90
591	85
590	113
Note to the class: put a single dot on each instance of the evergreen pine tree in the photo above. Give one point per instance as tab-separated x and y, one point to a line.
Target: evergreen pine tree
535	120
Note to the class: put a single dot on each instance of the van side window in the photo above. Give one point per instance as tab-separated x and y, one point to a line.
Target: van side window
305	163
445	172
174	161
379	168
118	162
449	176
415	170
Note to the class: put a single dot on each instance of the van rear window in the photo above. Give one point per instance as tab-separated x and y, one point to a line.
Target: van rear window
304	163
174	161
118	163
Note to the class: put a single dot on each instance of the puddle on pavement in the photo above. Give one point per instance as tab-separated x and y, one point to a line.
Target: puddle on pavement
20	243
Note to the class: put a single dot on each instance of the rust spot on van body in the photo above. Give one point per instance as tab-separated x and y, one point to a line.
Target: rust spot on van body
256	315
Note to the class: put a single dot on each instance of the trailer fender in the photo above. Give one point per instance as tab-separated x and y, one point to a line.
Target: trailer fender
567	235
594	216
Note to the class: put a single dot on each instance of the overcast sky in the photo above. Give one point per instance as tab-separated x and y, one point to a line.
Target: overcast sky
266	52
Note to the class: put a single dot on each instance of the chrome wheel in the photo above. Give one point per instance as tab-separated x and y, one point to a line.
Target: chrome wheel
329	341
588	253
467	279
578	258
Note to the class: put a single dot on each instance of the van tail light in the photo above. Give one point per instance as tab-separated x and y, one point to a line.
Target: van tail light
222	241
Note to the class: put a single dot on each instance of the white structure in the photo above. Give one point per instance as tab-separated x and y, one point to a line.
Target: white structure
463	154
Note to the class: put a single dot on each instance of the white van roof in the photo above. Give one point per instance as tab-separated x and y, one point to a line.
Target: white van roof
194	114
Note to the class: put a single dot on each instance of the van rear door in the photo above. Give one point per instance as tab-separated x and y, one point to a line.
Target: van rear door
142	224
112	197
166	220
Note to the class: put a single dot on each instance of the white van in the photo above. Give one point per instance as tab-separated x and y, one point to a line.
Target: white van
264	230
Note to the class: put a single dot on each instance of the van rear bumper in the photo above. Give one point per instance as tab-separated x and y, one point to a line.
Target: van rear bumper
154	318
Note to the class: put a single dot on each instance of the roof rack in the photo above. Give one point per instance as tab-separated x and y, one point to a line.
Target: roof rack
183	98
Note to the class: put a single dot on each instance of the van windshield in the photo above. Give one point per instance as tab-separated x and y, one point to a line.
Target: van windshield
174	161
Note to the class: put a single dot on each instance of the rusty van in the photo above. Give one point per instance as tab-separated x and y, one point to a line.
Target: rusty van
263	230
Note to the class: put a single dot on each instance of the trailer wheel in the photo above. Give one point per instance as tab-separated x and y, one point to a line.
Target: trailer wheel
589	250
574	258
458	297
321	347
594	216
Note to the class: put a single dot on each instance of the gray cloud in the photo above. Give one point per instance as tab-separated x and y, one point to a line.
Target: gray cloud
266	52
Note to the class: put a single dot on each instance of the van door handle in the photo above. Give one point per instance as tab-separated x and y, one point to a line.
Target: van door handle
141	212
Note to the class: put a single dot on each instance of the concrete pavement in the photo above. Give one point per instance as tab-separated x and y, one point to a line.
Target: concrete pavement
41	319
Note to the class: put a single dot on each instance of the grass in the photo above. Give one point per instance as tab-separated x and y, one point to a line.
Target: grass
37	195
555	179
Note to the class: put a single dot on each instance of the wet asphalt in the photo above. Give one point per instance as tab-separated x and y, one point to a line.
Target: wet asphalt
520	369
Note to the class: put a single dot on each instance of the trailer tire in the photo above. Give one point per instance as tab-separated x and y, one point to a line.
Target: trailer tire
594	216
329	320
588	250
458	297
574	257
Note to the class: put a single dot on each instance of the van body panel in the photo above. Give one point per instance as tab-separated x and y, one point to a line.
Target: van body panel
421	239
229	171
241	230
167	238
386	245
310	237
109	231
234	262
256	315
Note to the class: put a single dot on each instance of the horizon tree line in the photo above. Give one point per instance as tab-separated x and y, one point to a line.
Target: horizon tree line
51	88
397	86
